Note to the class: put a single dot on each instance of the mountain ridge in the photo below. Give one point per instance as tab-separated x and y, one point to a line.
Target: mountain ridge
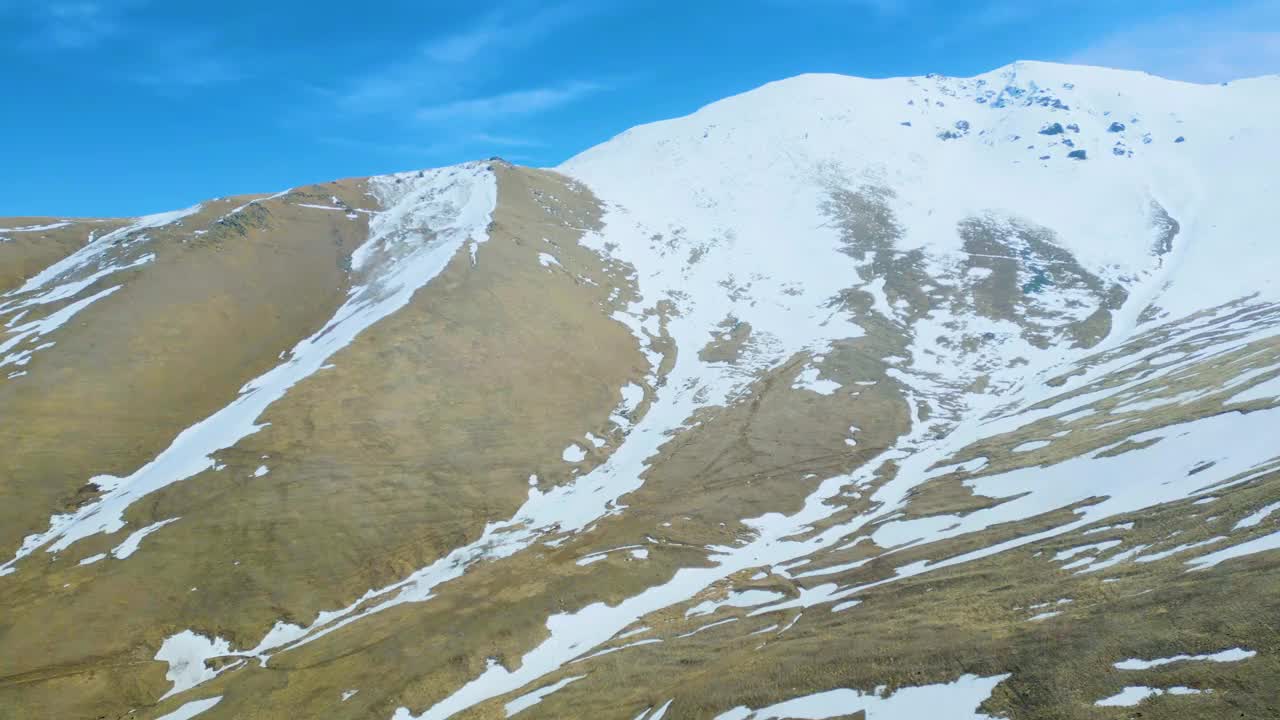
795	406
987	75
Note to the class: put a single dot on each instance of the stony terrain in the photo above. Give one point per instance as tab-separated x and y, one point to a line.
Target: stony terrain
913	398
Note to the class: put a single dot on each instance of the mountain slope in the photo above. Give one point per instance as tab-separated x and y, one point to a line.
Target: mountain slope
914	396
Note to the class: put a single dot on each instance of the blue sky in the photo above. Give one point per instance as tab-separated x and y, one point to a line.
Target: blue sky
123	107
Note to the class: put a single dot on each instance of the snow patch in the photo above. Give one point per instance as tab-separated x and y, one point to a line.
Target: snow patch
191	709
131	543
808	380
1224	656
573	453
1134	694
745	598
186	653
528	700
956	700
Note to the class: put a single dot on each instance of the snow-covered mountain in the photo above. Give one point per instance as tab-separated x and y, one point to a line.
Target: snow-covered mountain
924	397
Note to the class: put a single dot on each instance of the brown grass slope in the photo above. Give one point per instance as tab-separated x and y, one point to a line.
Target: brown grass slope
429	425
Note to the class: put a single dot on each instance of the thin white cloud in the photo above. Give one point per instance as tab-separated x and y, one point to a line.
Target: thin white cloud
441	148
1217	45
506	141
1001	15
398	149
434	68
185	60
519	102
505	29
462	46
881	7
67	24
166	58
190	74
79	24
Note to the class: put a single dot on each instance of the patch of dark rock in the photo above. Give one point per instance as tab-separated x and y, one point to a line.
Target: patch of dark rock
1201	467
1128	446
1078	155
1167	227
1054	129
1062	379
1040	280
84	495
1051	102
1116	127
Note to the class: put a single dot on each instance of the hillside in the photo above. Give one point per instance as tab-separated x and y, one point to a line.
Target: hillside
924	397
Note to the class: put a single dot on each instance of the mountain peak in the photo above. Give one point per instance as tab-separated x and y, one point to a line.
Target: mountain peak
838	396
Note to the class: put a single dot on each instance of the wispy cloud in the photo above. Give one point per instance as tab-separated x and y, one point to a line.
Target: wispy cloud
396	149
1000	15
506	141
879	7
463	46
434	68
452	94
1213	43
519	102
190	74
179	63
444	146
1225	43
504	29
79	24
165	57
68	24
